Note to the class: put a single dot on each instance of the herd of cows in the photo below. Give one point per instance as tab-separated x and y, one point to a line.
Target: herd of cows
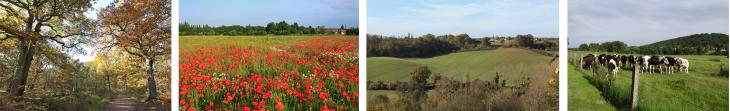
645	63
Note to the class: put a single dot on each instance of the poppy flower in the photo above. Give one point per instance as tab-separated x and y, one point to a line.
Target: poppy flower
326	109
323	96
302	73
279	105
267	95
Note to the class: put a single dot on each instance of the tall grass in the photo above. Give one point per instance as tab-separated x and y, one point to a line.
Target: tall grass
700	89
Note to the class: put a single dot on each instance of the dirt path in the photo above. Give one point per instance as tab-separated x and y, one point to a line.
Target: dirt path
124	102
533	98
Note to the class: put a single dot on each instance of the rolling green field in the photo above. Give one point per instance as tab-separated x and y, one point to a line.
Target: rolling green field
700	89
513	63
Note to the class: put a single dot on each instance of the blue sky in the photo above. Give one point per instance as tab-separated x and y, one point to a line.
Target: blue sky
640	22
88	48
330	13
478	18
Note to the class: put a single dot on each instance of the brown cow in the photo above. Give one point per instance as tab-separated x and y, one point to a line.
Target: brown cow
588	61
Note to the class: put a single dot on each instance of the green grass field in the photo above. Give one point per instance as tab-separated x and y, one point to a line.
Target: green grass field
582	96
513	63
700	89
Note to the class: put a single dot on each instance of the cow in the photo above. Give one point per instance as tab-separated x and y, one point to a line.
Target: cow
588	61
683	65
607	57
624	59
655	61
612	67
631	60
671	63
602	59
643	61
613	57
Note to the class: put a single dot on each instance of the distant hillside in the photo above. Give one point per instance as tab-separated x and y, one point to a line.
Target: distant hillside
705	43
697	40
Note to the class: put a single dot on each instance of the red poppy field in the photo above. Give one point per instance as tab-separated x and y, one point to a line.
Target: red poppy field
275	73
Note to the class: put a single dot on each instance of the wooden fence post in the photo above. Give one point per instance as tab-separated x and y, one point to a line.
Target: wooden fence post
634	88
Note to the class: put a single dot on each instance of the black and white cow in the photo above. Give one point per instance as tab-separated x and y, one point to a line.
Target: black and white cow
613	57
643	62
683	65
631	60
602	59
656	61
671	63
624	59
612	67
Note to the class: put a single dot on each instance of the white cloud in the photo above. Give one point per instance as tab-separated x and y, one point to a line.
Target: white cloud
639	22
479	19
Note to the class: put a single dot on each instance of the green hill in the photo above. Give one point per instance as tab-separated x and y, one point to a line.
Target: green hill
705	43
513	63
695	40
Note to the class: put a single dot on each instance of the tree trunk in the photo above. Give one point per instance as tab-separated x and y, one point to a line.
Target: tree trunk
126	86
108	83
76	75
17	85
33	84
47	82
151	84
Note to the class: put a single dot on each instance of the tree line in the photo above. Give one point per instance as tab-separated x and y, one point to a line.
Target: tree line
272	28
431	45
696	44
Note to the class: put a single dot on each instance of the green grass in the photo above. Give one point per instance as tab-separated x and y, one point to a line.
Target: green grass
582	96
700	89
513	63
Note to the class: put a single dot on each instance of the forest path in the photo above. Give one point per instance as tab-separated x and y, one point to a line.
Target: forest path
123	102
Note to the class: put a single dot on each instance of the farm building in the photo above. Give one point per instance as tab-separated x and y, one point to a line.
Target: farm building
336	31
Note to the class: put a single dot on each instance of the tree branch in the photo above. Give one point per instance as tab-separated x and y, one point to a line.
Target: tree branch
126	49
18	4
63	44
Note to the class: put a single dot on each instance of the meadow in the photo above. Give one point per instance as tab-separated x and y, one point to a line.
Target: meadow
483	64
700	89
524	74
268	73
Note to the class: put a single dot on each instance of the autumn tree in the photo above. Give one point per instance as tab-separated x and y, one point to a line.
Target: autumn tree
141	28
40	23
417	87
525	40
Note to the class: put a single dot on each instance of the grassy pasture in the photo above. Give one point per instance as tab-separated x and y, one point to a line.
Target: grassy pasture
700	89
513	63
583	96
